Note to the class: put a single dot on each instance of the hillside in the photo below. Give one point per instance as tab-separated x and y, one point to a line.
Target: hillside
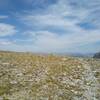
97	55
24	76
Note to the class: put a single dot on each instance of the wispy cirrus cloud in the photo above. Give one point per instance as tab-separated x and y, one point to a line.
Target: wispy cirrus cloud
7	29
5	42
3	17
61	26
62	13
76	19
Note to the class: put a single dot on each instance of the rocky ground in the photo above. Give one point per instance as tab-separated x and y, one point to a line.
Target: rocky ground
24	76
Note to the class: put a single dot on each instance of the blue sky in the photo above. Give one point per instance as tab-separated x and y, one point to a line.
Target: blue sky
50	26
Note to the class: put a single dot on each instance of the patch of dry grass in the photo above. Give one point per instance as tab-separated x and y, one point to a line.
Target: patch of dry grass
26	76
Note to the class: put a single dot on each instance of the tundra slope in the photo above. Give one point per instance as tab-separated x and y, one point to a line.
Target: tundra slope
24	76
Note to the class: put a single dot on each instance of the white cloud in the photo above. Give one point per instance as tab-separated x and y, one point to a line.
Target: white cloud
3	17
52	42
7	29
63	16
5	42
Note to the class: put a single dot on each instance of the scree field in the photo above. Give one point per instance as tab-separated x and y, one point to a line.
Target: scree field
27	76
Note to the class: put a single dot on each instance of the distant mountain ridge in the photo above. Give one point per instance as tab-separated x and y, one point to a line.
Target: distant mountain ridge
97	55
76	54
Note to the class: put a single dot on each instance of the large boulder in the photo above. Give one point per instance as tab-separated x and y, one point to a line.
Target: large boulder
97	55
